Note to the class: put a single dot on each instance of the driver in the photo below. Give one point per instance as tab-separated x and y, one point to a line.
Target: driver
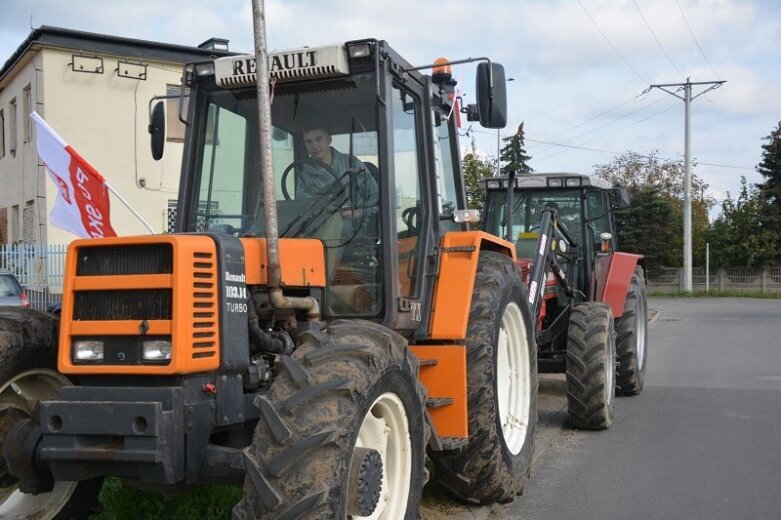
314	180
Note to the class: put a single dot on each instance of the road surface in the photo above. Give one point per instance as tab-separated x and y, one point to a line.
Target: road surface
703	440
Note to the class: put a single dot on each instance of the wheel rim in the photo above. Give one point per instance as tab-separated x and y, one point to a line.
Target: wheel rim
18	398
513	378
642	318
385	428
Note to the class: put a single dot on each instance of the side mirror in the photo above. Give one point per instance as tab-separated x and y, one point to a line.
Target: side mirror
620	198
157	130
491	95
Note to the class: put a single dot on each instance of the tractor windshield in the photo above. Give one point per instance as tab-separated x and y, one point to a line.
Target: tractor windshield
326	184
324	145
527	212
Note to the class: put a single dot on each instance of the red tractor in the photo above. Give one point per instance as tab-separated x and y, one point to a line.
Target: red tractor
587	299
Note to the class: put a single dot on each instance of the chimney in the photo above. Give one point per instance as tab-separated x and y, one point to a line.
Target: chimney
215	44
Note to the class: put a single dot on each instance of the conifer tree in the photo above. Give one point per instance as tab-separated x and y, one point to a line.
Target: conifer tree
513	155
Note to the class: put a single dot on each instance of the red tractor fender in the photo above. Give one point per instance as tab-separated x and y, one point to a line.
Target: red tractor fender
613	276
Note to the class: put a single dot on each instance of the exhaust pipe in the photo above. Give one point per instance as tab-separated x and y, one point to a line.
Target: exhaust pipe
276	297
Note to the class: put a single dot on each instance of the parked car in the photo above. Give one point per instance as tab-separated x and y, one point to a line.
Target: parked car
11	293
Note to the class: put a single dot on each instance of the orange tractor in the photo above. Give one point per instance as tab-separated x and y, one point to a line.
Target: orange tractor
315	348
588	300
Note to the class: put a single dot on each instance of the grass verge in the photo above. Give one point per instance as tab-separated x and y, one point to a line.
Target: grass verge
120	502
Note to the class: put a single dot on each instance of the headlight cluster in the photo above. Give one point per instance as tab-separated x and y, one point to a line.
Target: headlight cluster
88	350
122	350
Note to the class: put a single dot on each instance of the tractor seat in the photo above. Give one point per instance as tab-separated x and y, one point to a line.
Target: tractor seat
526	244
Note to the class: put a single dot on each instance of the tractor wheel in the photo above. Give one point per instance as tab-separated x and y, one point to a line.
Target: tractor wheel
28	375
632	338
501	390
591	366
341	432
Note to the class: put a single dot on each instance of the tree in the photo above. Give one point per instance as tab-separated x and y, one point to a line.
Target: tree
737	236
770	190
513	155
474	169
653	225
648	226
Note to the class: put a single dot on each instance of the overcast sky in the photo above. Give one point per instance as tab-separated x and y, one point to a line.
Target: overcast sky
572	61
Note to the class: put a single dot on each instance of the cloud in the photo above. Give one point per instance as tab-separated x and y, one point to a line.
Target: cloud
565	73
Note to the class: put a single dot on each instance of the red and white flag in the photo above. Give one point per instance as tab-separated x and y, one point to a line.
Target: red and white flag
82	206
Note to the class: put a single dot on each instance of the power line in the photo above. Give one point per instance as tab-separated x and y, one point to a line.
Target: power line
613	132
661	47
726	166
569	140
609	110
611	44
695	39
612	152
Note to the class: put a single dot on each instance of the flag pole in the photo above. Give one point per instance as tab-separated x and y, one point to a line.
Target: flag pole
128	206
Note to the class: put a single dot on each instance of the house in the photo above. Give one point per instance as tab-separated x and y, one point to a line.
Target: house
95	91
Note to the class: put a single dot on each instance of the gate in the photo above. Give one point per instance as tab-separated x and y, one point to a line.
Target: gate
40	269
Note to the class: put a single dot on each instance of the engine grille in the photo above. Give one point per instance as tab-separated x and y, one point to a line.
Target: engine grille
140	304
125	259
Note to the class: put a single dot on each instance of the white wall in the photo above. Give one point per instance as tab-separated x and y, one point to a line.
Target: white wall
104	117
20	178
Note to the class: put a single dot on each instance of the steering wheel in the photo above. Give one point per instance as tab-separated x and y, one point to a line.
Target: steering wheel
410	217
302	162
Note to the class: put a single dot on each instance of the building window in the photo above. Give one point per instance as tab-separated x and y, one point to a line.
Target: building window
174	128
2	133
26	114
171	216
3	226
13	224
12	126
28	222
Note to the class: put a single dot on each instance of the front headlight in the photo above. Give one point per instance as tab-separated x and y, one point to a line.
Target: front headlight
88	350
156	350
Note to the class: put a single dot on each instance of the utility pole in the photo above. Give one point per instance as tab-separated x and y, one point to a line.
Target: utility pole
687	98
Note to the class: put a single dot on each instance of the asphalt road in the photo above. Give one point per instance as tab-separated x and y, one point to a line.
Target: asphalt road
703	440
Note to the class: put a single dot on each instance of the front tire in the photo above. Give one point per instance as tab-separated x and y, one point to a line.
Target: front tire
591	366
632	330
28	375
501	389
346	398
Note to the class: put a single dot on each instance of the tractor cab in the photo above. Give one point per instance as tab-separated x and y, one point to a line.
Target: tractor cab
584	207
379	188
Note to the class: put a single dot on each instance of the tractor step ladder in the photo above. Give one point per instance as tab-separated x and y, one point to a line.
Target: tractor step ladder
443	373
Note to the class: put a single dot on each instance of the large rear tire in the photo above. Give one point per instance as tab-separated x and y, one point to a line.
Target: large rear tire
347	398
28	375
632	330
501	389
591	366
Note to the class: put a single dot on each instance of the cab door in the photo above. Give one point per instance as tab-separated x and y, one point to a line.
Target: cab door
410	213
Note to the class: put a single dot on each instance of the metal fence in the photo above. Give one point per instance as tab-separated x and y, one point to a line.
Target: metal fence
741	279
39	268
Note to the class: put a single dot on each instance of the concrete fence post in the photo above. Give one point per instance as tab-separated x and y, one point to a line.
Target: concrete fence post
722	276
764	275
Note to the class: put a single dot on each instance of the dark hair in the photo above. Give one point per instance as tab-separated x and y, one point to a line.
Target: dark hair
312	124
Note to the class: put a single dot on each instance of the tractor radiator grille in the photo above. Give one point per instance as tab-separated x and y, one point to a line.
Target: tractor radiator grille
204	306
140	304
125	259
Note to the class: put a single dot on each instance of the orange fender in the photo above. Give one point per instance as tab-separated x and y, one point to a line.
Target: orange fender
459	253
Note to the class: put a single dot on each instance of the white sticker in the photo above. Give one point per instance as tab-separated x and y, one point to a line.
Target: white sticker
543	243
